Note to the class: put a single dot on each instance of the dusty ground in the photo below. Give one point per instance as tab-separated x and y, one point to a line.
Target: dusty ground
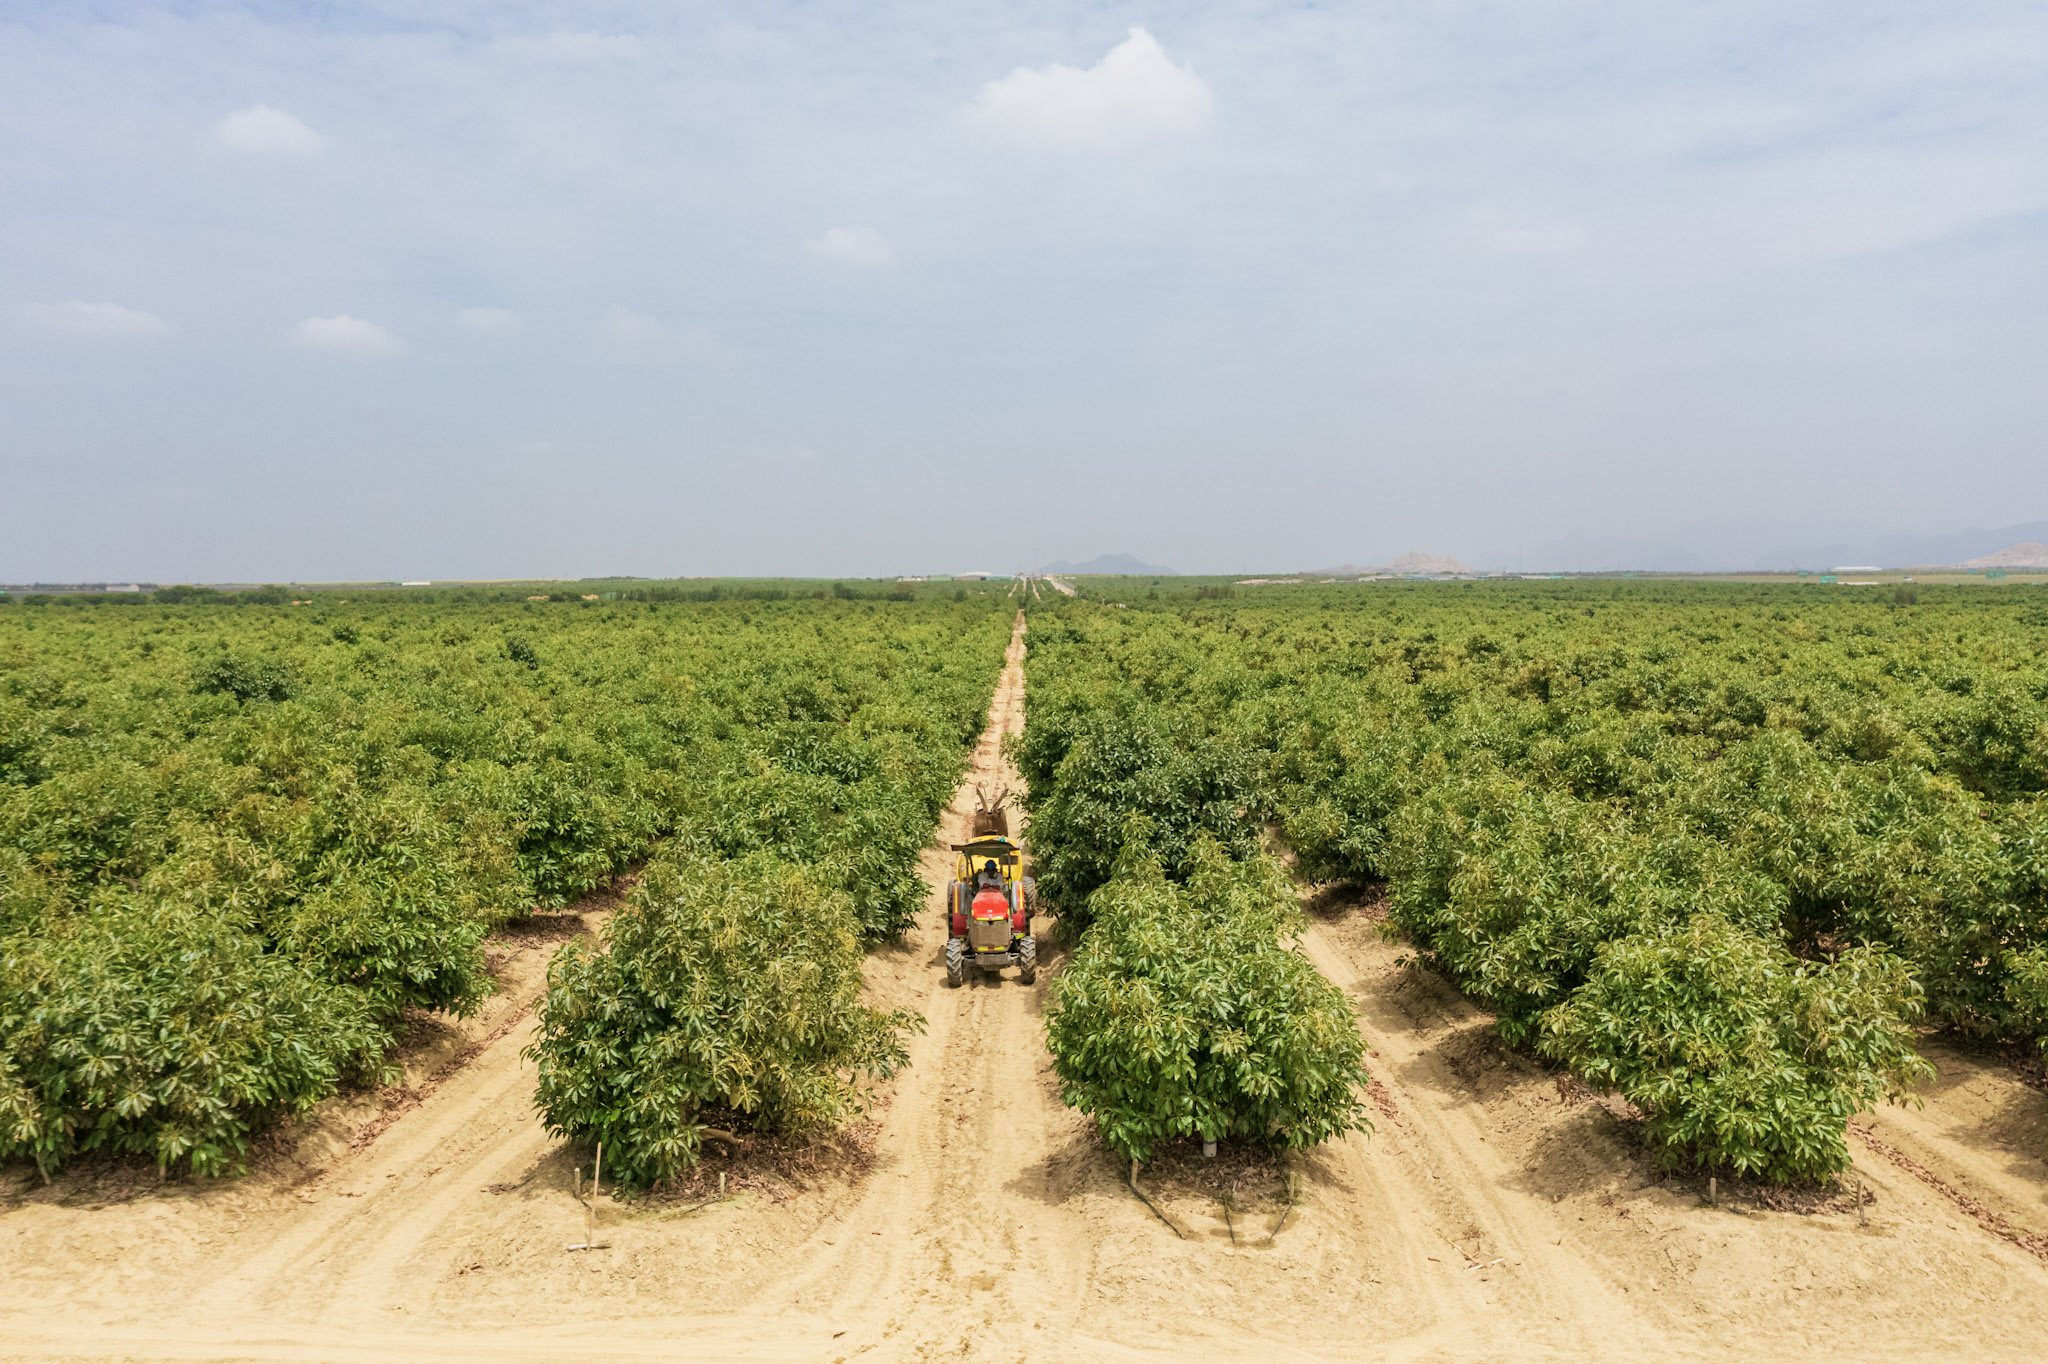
1491	1215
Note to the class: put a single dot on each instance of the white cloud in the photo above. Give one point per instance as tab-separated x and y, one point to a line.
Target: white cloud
261	128
1542	239
487	320
855	246
96	319
345	335
1133	93
623	324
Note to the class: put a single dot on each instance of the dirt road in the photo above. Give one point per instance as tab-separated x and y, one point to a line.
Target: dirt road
1596	1254
1490	1216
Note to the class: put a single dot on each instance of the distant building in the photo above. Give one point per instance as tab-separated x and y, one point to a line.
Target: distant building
1857	568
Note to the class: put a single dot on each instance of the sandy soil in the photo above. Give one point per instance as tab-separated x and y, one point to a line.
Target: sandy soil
1491	1215
1598	1252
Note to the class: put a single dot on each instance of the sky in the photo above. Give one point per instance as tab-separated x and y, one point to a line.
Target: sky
478	290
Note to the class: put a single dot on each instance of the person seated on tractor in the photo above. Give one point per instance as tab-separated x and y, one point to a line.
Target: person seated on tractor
990	878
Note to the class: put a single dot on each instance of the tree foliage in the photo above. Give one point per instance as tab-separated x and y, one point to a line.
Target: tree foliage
1541	773
725	986
164	1034
1185	1012
327	808
1095	762
1741	1057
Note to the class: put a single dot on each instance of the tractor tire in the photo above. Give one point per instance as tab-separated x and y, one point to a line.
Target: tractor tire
1027	960
956	963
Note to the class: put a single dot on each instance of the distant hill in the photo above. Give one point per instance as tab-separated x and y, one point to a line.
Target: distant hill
2031	554
1759	544
1406	563
1122	564
1426	563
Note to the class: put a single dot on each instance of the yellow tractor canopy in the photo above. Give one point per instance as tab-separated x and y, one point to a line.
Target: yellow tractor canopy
1007	856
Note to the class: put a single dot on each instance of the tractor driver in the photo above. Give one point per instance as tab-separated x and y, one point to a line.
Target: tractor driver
990	878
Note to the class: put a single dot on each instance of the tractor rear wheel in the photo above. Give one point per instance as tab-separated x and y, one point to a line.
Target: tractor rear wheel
956	963
1027	960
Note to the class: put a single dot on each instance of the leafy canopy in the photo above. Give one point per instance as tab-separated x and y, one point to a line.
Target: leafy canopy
1185	1014
725	987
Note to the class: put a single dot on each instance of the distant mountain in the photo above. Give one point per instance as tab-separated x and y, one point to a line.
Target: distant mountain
1908	551
1599	554
1759	544
1426	563
1121	564
1406	563
2032	554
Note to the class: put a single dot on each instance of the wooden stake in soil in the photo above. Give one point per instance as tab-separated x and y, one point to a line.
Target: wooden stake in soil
589	1241
1713	1191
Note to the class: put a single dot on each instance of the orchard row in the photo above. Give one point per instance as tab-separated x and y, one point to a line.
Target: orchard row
1722	849
237	844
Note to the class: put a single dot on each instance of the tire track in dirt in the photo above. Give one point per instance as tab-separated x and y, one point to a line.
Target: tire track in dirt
960	1247
1496	1275
1610	1255
358	1251
1977	1134
377	1215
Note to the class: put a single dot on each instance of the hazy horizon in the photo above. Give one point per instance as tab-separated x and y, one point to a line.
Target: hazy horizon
461	291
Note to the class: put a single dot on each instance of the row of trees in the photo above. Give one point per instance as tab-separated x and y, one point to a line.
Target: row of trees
1721	849
236	846
1186	1011
728	990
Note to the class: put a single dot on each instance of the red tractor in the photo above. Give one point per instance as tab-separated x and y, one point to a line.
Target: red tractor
989	911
